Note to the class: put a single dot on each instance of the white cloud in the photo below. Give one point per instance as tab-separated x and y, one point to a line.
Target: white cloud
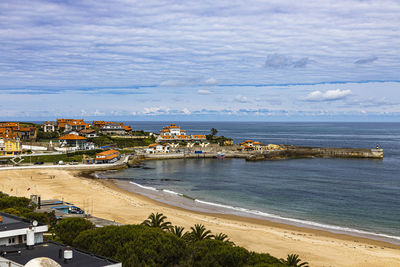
241	99
186	111
211	81
172	83
330	95
203	92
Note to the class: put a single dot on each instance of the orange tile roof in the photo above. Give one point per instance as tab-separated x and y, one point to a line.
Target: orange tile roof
153	145
107	152
87	131
72	137
257	143
112	156
26	129
9	124
76	122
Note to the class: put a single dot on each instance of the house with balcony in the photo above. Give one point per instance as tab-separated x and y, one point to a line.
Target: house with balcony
74	141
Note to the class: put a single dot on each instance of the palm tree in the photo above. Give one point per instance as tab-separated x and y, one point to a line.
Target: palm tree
199	232
224	238
294	261
157	220
177	230
221	237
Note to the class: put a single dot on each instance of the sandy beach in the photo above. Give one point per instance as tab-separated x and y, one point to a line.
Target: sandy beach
319	248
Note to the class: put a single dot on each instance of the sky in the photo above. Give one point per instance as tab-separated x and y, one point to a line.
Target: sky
275	60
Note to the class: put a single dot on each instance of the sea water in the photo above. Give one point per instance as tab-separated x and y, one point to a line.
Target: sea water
351	195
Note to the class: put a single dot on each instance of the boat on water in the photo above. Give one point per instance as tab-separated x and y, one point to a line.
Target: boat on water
220	155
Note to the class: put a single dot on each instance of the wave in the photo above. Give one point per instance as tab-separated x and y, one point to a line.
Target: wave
172	192
292	221
145	187
301	222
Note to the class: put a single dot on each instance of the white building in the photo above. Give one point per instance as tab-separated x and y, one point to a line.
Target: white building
21	244
157	148
14	230
49	127
175	133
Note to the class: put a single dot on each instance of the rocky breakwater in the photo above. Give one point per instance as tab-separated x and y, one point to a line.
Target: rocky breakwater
288	152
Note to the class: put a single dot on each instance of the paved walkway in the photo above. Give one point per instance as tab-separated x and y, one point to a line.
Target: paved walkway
73	167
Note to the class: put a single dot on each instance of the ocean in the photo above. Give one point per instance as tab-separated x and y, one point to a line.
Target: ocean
355	196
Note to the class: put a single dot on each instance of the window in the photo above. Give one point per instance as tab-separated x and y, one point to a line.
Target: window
11	240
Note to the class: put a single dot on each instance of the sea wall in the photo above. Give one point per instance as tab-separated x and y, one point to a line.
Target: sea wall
321	152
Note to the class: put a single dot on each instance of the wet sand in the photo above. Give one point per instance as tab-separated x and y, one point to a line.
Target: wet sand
106	200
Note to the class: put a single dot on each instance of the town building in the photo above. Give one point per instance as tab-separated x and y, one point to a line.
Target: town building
157	148
68	125
175	133
49	127
272	147
115	129
109	156
250	145
22	132
88	133
10	145
14	230
26	133
74	141
21	244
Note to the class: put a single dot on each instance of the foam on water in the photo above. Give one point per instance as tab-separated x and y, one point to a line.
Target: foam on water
268	216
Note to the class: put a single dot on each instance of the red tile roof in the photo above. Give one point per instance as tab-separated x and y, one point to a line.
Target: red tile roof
107	153
72	137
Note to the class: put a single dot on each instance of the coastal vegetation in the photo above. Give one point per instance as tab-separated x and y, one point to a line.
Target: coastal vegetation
121	142
221	140
76	156
155	242
23	207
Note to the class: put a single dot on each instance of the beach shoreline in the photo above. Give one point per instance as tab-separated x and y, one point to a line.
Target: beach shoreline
318	247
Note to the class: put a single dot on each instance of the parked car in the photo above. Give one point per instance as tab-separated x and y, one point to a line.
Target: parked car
61	162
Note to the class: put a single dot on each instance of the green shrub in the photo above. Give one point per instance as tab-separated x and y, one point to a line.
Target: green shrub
68	229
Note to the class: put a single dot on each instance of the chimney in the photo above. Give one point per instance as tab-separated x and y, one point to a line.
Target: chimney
30	237
67	254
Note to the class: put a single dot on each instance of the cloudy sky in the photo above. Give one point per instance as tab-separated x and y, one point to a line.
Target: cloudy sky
200	60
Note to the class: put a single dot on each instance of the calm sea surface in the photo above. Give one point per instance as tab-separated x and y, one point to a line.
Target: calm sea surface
345	193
